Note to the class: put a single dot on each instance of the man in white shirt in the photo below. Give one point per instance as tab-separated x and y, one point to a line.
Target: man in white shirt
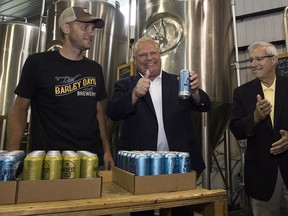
154	117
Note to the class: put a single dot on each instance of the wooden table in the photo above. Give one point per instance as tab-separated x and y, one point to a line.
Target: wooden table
117	200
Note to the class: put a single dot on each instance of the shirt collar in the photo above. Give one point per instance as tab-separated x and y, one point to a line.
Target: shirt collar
272	87
159	77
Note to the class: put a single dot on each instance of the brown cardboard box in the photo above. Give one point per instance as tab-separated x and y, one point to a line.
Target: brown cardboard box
8	192
61	189
106	175
154	184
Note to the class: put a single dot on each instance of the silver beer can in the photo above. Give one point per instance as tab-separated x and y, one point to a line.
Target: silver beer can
184	84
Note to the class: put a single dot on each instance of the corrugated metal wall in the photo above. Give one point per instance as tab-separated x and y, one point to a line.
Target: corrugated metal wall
251	6
266	27
259	20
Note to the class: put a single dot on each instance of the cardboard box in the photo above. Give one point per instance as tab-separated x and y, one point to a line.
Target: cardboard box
106	175
8	192
153	184
56	190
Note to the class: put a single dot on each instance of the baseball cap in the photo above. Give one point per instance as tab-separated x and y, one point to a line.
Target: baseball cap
79	14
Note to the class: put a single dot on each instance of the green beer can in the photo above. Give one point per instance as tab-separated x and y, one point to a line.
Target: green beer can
71	165
52	167
33	165
89	164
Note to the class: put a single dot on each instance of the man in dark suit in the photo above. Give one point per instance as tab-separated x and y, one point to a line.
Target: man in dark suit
260	115
154	117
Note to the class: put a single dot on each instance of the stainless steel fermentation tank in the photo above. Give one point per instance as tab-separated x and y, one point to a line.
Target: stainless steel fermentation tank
110	47
17	41
196	35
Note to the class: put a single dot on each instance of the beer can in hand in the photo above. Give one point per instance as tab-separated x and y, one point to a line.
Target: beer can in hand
184	84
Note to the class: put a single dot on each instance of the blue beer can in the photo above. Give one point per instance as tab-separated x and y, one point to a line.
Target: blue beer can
184	84
132	168
149	152
170	163
119	159
124	160
128	161
10	162
184	163
156	163
141	164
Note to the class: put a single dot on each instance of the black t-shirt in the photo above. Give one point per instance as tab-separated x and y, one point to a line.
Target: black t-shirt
63	96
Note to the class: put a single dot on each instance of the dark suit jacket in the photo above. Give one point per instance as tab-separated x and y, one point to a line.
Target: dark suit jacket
140	127
261	167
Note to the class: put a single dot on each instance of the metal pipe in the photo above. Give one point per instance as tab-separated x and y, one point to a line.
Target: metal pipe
5	15
236	63
40	26
206	172
228	161
237	66
4	124
286	28
129	29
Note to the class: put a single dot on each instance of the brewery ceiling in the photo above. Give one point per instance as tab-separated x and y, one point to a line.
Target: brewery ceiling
11	10
21	9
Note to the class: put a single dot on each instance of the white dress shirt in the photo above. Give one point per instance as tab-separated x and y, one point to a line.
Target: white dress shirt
156	95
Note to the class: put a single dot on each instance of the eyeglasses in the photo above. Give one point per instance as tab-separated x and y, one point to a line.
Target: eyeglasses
259	58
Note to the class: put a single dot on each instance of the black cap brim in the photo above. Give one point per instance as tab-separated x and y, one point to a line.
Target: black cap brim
98	23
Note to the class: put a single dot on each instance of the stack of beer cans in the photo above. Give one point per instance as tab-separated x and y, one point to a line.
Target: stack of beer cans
142	163
56	165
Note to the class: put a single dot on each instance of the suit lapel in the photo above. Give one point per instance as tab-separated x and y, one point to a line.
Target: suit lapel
280	93
147	98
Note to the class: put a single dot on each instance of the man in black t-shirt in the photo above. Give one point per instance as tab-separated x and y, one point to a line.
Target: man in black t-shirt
66	92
